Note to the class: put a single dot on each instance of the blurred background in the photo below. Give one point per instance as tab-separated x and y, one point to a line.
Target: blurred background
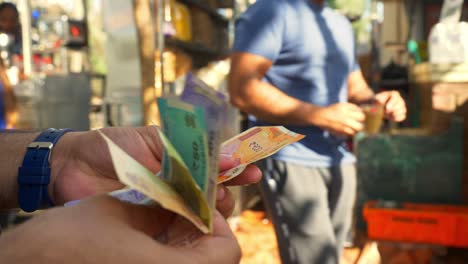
88	64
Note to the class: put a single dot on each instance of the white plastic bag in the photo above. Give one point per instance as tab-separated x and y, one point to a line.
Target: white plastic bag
448	43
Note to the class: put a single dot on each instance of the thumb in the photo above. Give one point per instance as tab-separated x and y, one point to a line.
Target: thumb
352	107
149	220
222	237
221	227
382	98
226	162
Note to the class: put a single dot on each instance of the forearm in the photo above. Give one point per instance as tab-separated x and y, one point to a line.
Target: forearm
364	96
270	104
14	146
358	90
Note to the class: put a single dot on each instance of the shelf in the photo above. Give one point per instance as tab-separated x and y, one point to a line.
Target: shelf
206	8
37	50
193	48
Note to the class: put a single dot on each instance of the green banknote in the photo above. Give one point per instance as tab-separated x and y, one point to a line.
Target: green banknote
187	136
180	178
185	127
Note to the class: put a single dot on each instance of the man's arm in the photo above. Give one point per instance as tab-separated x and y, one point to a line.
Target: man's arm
250	94
358	90
84	234
81	164
14	146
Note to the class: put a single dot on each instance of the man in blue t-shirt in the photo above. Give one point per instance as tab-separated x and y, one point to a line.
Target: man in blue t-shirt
294	64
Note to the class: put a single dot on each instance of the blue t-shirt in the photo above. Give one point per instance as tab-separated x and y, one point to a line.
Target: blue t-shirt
313	52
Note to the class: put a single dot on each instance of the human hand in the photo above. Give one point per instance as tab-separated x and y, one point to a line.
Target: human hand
224	200
394	105
105	230
82	166
342	118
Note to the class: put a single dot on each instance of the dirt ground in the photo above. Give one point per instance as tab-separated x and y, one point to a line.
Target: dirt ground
258	242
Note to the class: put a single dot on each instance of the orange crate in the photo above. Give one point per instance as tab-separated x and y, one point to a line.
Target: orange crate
418	223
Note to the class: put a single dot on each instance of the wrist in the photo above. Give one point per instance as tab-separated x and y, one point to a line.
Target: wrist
34	174
315	116
59	155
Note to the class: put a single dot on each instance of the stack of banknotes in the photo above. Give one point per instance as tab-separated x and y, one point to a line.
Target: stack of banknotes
191	134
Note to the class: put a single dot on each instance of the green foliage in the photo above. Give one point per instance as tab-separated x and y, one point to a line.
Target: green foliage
348	7
355	9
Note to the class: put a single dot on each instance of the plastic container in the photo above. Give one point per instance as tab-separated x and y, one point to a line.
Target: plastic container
445	225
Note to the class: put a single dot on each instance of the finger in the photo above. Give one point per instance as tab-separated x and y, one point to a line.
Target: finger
393	104
151	137
358	116
393	100
341	130
149	220
347	131
252	174
354	125
383	97
224	201
398	117
398	105
355	112
352	108
222	238
136	141
396	110
221	227
226	163
399	110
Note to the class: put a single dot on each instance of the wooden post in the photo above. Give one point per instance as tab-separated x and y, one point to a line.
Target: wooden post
146	39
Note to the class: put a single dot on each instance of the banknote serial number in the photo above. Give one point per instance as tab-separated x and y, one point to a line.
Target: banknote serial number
196	156
190	121
255	146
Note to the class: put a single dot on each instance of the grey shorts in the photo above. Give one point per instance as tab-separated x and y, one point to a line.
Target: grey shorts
311	209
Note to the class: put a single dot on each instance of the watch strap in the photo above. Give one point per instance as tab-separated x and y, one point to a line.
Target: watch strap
34	173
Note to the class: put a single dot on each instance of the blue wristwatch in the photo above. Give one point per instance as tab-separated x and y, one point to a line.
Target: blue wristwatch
34	173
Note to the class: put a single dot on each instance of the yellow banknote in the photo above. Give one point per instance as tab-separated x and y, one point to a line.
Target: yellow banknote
255	144
137	177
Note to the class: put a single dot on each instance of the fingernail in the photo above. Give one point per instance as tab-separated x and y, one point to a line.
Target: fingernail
220	193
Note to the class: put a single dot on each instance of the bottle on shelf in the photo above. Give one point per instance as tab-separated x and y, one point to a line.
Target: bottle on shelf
182	21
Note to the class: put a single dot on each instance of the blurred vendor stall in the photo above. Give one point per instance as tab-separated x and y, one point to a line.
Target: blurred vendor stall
49	68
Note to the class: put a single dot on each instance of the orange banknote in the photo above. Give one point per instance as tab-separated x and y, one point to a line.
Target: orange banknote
253	145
